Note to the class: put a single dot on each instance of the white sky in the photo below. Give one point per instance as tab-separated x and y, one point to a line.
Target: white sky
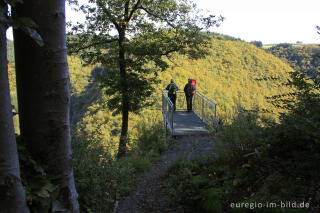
269	21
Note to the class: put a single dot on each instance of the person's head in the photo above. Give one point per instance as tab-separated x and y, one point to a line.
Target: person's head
172	80
189	80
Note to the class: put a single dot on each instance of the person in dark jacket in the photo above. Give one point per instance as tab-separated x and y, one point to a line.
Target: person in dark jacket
189	95
172	93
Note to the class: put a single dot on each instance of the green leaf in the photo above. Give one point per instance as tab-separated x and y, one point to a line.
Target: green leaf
43	193
49	187
39	169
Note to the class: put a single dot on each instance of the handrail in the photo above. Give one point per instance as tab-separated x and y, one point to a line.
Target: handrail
199	93
203	107
167	110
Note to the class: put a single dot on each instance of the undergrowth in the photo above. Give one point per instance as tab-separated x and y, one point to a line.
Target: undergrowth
101	180
259	162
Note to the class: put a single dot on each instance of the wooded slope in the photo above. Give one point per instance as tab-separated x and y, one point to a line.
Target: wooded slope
228	75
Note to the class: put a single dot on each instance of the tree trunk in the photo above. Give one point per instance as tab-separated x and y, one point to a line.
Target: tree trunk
125	100
12	197
124	129
44	94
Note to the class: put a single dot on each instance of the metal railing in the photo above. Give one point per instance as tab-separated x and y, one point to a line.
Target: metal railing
167	110
203	107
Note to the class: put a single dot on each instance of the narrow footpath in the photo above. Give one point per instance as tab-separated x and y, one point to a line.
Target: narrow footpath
148	195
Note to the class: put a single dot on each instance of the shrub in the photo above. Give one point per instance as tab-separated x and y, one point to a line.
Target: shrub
100	180
195	183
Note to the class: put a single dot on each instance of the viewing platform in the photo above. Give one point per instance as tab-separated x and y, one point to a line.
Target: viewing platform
188	123
182	122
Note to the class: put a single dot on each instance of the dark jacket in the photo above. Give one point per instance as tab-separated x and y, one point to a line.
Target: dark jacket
186	90
168	87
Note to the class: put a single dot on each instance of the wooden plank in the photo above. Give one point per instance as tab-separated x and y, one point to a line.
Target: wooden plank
188	123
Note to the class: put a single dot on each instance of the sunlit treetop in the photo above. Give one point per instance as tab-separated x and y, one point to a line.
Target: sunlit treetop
174	23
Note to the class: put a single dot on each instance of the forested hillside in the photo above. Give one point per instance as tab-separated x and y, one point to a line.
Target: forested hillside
304	58
261	161
88	135
238	76
231	75
228	75
79	76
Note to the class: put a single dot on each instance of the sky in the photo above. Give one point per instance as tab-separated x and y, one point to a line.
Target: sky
268	21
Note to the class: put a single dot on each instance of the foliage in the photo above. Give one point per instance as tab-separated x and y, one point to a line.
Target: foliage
302	58
148	134
225	37
228	76
260	160
140	88
92	120
79	76
257	43
130	39
100	180
41	192
194	184
229	84
10	51
13	95
99	126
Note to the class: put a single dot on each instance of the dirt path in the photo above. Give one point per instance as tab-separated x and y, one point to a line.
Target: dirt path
148	196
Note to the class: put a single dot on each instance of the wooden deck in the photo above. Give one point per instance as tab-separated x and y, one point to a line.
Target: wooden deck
188	123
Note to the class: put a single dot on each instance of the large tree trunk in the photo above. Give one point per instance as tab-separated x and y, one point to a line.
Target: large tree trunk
12	197
44	94
125	99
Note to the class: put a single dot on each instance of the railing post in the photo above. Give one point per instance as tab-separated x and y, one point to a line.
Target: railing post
172	121
202	109
165	132
194	101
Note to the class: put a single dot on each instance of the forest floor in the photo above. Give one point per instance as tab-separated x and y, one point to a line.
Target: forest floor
148	194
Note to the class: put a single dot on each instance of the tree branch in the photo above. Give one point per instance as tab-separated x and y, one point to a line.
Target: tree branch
126	10
107	12
158	17
135	7
166	53
91	45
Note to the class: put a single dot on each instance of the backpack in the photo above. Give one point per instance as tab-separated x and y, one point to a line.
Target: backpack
192	87
172	89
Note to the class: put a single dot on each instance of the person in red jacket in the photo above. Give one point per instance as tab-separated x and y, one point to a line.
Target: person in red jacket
189	90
